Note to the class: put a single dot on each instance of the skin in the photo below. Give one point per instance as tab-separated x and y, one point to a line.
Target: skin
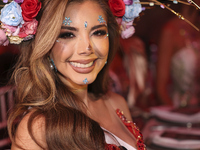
75	49
75	40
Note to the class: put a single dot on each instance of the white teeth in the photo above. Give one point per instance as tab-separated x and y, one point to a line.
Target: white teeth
81	65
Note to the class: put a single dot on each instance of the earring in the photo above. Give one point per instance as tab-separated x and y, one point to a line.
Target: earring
52	65
105	62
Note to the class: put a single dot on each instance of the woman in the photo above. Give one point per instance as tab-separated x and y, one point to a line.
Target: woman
61	81
178	58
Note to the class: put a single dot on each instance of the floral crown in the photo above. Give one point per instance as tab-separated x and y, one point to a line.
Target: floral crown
126	11
18	21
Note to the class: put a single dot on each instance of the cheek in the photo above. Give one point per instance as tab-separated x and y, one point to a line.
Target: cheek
101	47
61	52
105	49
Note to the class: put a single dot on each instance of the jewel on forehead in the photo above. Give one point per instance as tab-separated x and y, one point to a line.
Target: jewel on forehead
85	81
101	20
85	24
67	21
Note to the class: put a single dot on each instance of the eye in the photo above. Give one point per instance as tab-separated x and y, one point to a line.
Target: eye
100	33
66	35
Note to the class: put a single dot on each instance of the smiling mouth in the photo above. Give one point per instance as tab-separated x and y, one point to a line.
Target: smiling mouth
80	65
85	66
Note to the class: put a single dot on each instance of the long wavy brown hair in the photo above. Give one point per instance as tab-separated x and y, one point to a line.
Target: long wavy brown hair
39	87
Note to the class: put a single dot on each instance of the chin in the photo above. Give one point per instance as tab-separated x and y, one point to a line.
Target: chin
88	79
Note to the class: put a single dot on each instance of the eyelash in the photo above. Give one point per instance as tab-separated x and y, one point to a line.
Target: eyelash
100	33
66	35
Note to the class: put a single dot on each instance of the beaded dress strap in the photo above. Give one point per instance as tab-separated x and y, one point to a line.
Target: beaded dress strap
133	129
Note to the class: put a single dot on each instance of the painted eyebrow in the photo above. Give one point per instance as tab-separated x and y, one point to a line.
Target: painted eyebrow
69	28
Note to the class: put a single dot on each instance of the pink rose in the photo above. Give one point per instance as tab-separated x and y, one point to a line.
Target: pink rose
10	30
3	38
28	37
130	23
126	24
128	2
19	1
119	20
28	28
128	32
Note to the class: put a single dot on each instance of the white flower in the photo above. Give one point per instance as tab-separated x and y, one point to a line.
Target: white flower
15	40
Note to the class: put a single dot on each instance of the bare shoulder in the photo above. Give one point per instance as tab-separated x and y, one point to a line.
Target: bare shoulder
118	102
23	139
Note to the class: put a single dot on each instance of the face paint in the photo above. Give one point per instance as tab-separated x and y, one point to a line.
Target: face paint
67	21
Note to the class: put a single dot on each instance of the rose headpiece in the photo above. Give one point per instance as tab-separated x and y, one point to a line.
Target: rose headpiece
18	21
125	12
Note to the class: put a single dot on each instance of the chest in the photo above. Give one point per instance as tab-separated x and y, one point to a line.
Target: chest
114	129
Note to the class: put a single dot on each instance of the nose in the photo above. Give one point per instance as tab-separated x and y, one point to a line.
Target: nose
85	46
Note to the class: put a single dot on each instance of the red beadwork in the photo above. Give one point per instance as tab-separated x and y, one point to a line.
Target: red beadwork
133	129
112	147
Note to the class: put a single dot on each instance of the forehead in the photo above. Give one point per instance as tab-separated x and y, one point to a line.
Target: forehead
86	11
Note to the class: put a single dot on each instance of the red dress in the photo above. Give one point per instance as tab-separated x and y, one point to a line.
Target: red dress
133	129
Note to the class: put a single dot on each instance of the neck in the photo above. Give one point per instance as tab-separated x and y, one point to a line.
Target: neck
79	90
82	92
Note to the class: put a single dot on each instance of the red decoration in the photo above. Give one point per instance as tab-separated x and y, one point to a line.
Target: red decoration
30	9
117	7
133	129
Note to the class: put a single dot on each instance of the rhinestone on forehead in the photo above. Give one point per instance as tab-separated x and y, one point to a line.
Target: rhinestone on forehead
85	24
101	20
67	21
